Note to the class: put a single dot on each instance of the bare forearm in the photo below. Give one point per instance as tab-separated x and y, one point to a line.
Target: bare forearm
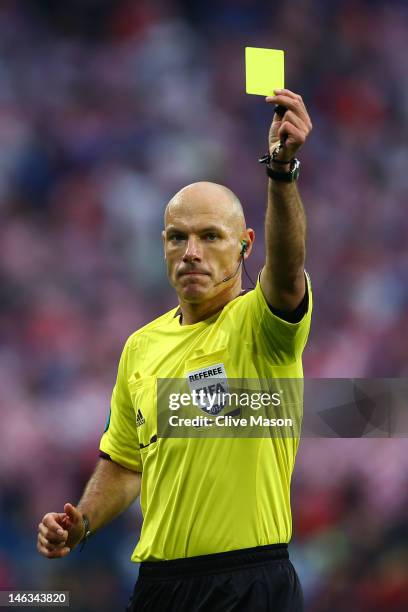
282	279
110	490
285	234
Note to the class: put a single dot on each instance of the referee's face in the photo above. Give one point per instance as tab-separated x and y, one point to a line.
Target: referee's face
202	242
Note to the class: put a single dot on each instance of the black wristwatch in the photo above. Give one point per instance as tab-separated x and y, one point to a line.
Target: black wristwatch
285	177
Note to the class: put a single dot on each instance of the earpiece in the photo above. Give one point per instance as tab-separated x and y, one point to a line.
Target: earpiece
244	247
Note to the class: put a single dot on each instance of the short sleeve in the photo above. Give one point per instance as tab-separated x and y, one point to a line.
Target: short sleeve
281	341
120	439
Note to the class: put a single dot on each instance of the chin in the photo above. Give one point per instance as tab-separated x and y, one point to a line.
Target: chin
194	292
194	295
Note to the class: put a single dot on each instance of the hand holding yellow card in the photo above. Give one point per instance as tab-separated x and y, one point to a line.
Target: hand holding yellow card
265	70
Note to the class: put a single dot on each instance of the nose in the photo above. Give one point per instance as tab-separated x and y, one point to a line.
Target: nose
193	250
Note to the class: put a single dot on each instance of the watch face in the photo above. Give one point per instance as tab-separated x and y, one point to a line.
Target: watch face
295	170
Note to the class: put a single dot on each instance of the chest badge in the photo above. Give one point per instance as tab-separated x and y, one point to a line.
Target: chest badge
208	387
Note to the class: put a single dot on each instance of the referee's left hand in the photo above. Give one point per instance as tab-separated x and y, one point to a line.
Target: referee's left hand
293	128
60	532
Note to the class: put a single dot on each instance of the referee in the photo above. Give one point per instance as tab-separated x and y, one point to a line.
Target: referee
216	512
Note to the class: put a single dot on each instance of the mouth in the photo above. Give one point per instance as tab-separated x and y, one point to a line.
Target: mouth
193	273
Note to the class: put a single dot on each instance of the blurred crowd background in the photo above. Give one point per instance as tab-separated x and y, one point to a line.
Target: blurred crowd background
107	108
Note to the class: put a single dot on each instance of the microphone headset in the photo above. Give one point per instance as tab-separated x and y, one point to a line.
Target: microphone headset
244	248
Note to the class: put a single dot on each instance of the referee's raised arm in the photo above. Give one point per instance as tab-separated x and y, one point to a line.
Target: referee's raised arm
282	278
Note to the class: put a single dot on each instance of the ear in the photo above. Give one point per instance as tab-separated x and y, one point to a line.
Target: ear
249	239
164	244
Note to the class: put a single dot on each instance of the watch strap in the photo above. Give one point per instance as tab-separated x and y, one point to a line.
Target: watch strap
285	177
277	175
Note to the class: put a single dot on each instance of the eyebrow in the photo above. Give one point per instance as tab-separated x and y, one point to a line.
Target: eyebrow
208	228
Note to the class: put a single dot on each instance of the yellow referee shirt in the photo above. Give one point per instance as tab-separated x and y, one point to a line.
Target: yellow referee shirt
202	496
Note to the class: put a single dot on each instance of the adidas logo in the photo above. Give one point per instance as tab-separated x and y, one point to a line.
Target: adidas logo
140	420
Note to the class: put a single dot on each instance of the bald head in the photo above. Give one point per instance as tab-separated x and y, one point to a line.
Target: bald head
207	198
203	246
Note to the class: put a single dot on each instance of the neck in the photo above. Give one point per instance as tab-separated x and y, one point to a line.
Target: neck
195	312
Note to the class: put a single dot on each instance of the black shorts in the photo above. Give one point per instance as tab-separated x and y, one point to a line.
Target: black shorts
248	580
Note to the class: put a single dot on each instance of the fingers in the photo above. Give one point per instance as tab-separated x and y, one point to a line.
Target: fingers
291	117
293	128
296	106
72	513
293	102
51	553
51	549
50	545
66	523
52	523
293	134
52	538
288	93
55	537
59	532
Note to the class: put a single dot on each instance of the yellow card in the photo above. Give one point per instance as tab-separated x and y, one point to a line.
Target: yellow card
265	70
